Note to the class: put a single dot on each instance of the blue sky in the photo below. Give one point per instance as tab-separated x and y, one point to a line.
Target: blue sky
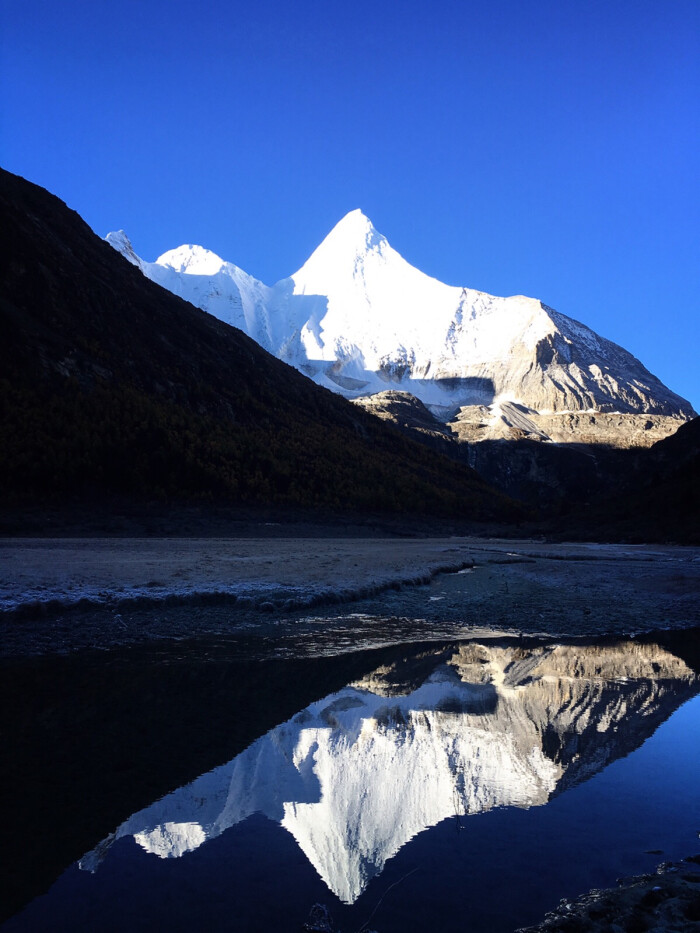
541	148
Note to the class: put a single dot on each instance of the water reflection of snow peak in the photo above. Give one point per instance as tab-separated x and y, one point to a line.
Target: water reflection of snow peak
453	732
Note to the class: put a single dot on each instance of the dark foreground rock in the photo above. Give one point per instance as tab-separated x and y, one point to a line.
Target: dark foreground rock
320	920
668	900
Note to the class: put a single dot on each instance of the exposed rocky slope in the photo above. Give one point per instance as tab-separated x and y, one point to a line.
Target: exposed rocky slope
511	421
111	385
648	492
359	319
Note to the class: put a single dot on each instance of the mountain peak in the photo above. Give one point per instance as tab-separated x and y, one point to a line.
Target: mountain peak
356	218
353	234
118	240
359	319
349	244
192	260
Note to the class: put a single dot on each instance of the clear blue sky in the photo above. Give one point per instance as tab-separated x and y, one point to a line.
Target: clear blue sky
539	147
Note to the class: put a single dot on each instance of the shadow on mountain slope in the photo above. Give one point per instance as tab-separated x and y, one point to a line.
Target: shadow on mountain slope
579	490
111	386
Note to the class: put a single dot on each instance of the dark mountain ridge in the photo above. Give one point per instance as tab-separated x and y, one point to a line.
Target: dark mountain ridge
595	491
110	386
656	499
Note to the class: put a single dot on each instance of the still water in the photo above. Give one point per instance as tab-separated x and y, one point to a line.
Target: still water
450	786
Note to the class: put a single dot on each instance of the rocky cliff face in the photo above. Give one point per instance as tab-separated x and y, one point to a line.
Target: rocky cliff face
514	422
456	732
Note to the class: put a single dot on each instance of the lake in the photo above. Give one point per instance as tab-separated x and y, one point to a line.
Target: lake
464	784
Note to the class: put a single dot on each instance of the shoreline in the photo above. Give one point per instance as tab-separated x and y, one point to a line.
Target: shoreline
59	595
64	662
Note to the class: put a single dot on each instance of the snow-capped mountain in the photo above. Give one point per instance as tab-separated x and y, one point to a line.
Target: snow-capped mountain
202	278
359	320
356	775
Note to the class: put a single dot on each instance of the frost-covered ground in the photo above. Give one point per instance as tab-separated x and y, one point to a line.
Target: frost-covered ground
302	596
255	572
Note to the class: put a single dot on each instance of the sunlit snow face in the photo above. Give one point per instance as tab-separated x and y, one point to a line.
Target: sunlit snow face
358	319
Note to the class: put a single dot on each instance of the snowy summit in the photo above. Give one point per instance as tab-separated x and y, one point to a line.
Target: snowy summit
358	319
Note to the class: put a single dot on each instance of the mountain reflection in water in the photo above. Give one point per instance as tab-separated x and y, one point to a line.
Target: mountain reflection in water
454	731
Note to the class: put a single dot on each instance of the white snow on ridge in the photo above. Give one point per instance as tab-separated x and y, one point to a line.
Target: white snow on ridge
208	282
193	260
358	319
121	242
